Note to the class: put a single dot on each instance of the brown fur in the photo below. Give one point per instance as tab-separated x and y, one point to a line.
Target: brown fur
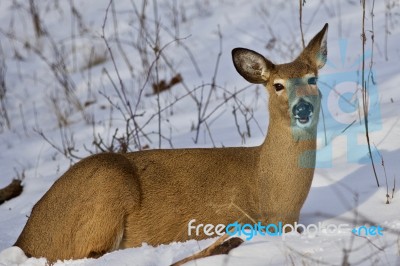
110	201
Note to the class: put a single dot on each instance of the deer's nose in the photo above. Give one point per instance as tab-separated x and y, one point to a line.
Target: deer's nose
302	110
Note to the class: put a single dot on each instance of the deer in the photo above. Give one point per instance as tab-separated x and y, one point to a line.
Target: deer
111	201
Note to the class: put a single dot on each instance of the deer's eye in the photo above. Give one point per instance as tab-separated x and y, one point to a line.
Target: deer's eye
278	86
312	81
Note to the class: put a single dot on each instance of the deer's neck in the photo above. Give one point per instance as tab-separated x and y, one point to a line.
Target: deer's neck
286	171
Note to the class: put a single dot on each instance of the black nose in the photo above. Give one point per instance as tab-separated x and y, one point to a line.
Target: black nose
302	109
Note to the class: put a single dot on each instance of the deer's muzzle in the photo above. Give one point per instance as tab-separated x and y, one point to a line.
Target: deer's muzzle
303	112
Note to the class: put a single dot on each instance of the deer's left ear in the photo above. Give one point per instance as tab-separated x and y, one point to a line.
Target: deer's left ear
251	65
317	49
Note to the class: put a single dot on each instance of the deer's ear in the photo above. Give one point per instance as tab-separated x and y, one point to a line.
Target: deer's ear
254	67
317	49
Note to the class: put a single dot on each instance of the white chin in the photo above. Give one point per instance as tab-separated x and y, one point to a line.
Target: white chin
304	125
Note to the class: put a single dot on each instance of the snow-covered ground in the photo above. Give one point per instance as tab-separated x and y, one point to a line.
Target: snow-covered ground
57	103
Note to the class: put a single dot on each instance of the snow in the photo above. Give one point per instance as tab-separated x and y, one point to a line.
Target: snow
343	190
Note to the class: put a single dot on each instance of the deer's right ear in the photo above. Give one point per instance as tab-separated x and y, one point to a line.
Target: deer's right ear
254	67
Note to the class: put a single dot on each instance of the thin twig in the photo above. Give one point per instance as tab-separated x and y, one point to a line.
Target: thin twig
365	93
301	3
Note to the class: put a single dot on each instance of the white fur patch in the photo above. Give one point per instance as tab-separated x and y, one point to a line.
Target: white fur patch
304	125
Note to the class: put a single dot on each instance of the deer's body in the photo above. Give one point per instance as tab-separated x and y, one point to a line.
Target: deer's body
111	201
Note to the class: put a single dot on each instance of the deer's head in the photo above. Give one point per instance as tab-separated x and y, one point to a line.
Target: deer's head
292	87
